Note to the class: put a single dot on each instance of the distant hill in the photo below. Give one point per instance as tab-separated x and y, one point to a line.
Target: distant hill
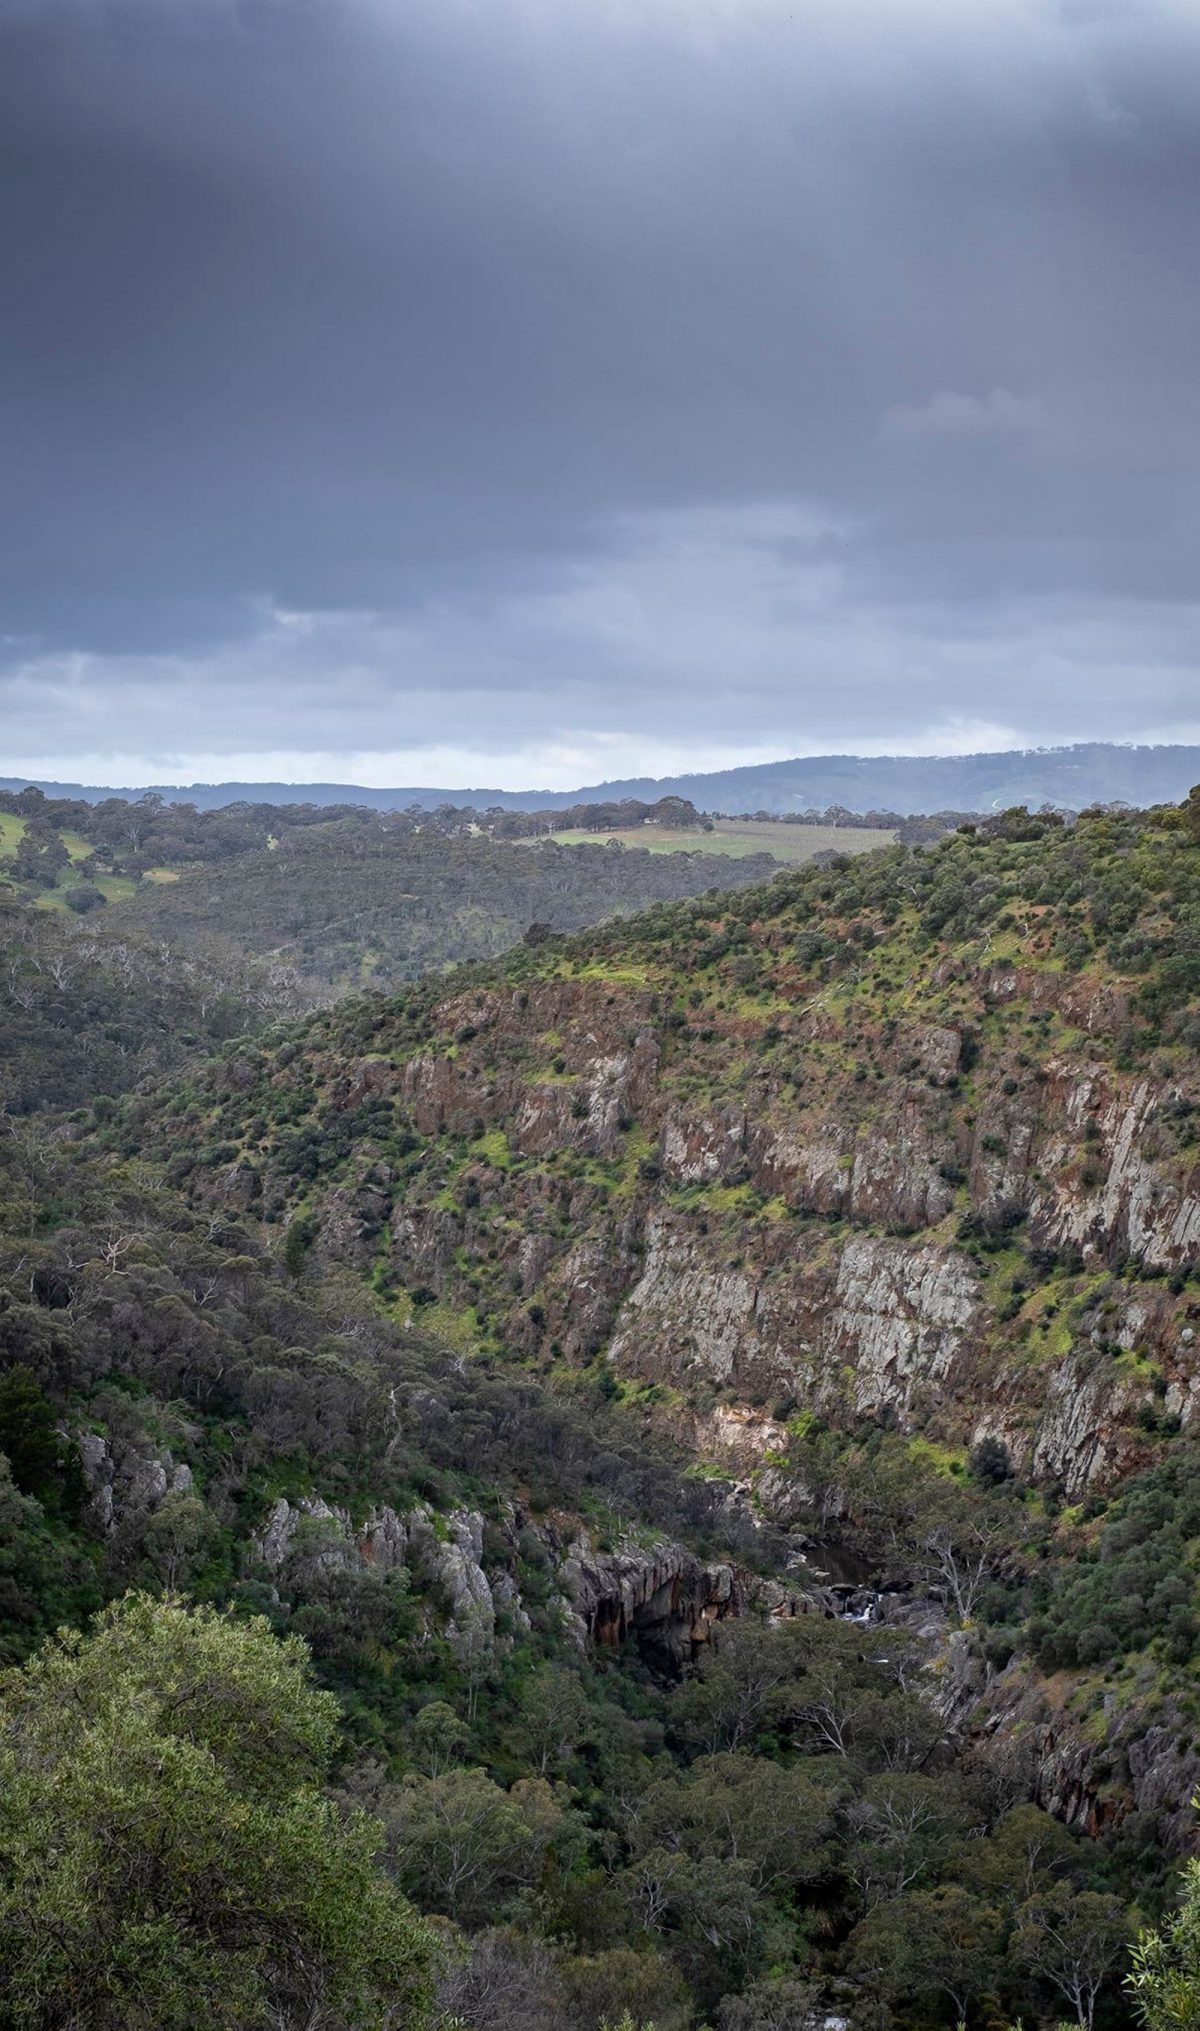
1090	772
351	898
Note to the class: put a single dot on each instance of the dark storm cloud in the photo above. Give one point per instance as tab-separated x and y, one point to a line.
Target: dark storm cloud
521	378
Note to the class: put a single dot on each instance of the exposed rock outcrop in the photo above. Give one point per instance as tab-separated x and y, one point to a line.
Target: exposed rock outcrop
854	1293
1093	1757
661	1594
446	1554
122	1478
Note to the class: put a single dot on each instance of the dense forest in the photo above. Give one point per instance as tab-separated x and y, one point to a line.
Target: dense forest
133	836
645	1482
363	906
90	1008
334	898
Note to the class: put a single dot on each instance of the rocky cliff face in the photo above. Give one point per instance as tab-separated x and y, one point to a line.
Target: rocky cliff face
1096	1758
662	1596
816	1242
124	1476
930	1182
445	1553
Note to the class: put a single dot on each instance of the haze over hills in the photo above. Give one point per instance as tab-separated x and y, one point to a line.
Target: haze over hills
1087	772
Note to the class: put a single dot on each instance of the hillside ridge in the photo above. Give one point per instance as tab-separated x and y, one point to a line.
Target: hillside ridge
839	1105
1074	776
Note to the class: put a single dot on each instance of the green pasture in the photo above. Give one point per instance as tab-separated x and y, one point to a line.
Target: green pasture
740	837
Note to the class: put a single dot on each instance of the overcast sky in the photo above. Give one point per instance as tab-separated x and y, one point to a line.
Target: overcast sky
526	392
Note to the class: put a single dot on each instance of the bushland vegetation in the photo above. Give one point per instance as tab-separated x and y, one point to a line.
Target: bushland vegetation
303	1788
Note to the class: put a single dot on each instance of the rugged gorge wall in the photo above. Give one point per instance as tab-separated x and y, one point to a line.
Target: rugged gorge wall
805	1241
801	1248
947	1184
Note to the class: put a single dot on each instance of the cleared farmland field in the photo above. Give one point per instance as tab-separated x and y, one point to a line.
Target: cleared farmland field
739	837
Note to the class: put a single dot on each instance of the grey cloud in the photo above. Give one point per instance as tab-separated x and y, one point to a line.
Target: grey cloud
703	633
540	352
949	414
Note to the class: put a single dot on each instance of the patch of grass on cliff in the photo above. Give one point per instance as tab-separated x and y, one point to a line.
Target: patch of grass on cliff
721	1200
627	1179
456	1326
493	1149
1134	1362
607	1176
446	1200
621	973
1059	1338
948	1460
635	1394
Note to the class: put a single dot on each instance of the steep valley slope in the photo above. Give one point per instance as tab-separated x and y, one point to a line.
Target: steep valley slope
906	1145
911	1139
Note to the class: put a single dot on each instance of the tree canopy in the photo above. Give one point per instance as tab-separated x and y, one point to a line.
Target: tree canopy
168	1857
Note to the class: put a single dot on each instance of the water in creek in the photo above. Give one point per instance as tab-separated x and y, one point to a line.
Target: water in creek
849	1583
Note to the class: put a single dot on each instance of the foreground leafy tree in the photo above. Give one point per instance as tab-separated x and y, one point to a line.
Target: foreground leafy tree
1165	1980
166	1858
41	1581
466	1848
510	1980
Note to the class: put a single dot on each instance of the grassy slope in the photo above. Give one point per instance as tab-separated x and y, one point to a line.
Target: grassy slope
114	888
